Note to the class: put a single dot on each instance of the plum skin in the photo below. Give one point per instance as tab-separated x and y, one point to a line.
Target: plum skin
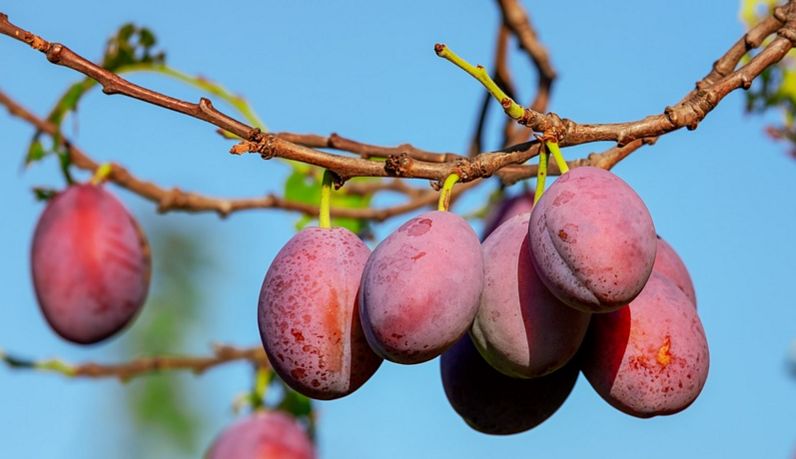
593	240
521	328
263	435
650	358
90	264
308	315
506	209
421	287
493	403
668	263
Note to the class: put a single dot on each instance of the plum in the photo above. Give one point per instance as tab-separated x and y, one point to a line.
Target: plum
593	240
90	264
493	403
521	328
421	287
668	263
263	435
308	315
505	209
649	358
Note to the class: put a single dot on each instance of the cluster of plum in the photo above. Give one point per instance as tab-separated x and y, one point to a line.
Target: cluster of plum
578	282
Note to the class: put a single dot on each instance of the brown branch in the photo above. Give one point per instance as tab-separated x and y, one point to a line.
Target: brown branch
175	199
222	354
395	185
365	150
605	160
502	77
751	40
689	112
267	145
696	105
516	19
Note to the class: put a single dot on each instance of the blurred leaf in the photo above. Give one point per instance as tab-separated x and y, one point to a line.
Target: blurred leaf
36	151
161	410
775	88
159	406
303	188
131	45
296	404
753	11
44	194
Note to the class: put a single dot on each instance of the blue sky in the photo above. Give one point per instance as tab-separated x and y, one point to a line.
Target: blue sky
721	195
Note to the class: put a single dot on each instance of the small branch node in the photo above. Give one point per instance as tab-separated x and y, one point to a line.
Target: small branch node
398	165
243	147
780	14
623	138
671	114
746	82
266	147
206	105
168	200
224	209
54	52
788	33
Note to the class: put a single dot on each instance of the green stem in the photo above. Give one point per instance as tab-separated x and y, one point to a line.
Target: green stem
558	157
324	220
261	380
512	108
53	365
541	174
102	173
445	192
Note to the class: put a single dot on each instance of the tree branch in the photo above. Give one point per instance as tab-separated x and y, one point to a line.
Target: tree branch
175	199
516	19
222	354
689	112
267	145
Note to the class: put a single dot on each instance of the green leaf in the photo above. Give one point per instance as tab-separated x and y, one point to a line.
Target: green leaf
36	151
303	188
306	188
44	194
161	410
295	404
131	45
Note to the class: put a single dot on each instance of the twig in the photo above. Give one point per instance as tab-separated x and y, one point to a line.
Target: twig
687	113
222	354
516	19
175	199
605	160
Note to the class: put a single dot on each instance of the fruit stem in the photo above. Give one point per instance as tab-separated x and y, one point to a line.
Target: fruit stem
512	108
102	173
445	192
557	156
541	173
261	380
324	220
